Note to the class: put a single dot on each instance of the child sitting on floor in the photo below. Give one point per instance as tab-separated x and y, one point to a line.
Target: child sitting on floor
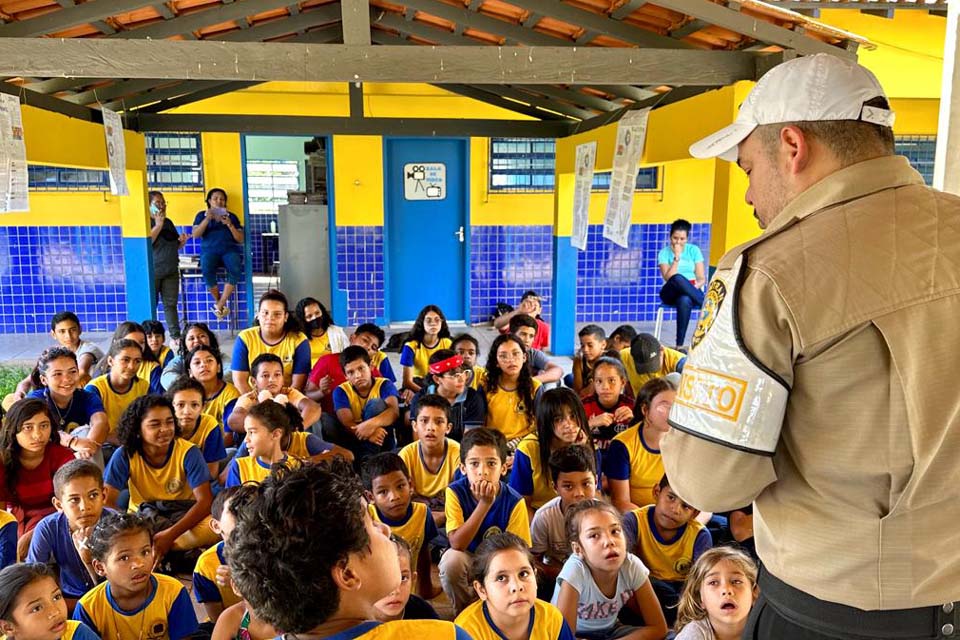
717	596
432	458
366	407
401	604
609	408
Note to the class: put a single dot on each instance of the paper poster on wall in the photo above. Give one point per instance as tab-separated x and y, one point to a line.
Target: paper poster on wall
424	181
13	164
631	135
586	161
116	152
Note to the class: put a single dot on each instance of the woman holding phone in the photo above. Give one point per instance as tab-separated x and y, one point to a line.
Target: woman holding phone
222	243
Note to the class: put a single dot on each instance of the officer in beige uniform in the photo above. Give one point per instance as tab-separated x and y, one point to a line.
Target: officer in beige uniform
822	383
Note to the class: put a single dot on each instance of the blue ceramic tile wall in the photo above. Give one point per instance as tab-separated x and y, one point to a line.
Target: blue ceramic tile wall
360	267
264	250
623	285
505	261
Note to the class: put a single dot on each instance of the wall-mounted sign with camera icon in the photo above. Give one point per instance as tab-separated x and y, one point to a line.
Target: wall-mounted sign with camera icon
424	181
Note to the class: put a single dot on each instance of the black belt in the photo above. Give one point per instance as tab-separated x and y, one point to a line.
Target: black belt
841	621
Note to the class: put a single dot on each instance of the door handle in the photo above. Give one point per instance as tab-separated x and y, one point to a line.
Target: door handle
459	234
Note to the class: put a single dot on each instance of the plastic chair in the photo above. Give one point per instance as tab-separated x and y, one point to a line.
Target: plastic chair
658	326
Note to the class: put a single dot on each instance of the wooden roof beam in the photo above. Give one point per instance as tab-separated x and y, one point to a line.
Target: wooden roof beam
68	17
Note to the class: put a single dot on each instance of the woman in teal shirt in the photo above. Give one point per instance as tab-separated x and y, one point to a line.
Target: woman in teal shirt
681	265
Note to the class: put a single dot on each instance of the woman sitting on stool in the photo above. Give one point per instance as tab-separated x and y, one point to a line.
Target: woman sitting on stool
222	243
681	265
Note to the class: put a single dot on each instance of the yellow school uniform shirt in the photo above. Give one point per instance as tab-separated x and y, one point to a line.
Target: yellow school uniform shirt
115	403
414	530
506	413
217	404
169	482
421	354
668	561
319	345
646	465
251	469
205	586
168	612
546	623
298	445
671	358
146	369
165	355
70	632
479	377
284	349
358	402
199	437
427	483
402	630
542	482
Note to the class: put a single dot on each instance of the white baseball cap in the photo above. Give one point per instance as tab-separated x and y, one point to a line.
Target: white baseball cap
807	89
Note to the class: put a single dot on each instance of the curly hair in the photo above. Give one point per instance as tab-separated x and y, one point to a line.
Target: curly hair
111	525
525	381
43	362
20	412
129	432
289	514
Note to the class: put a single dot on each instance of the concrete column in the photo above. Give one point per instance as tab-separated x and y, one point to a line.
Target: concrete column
137	249
946	168
563	322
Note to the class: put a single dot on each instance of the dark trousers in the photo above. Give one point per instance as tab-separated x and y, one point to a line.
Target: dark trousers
333	431
680	293
168	290
784	613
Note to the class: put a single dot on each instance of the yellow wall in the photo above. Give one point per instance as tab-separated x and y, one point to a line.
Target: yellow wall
358	180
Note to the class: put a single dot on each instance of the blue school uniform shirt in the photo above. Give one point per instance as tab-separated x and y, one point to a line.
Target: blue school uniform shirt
167	612
315	445
217	236
687	267
182	472
8	539
507	513
400	630
52	542
346	397
82	407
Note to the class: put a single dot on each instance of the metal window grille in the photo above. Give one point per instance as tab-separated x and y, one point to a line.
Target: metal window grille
50	178
268	182
174	161
920	151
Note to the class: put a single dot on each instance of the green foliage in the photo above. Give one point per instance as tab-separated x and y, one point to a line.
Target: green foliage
10	377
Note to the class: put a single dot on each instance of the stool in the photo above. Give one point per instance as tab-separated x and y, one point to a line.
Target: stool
658	326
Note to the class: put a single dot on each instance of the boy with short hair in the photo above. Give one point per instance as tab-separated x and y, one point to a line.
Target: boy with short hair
387	481
79	497
366	407
468	347
593	346
621	338
668	539
573	470
530	305
267	372
647	359
355	566
525	328
211	576
432	458
156	341
476	504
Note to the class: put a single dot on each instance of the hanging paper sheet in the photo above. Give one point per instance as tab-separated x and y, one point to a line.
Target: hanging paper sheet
631	134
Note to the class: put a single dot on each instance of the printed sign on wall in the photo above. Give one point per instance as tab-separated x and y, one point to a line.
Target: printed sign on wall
116	152
424	181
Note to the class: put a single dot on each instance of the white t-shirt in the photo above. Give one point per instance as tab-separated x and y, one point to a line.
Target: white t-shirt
595	611
696	630
548	533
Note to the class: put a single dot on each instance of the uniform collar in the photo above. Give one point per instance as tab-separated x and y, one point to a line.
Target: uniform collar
850	183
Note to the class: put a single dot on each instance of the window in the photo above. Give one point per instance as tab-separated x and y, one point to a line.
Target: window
174	161
268	182
920	151
49	178
526	165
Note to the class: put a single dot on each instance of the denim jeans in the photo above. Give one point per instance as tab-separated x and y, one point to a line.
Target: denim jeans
680	293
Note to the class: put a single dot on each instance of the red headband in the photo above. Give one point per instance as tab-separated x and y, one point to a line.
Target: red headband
446	365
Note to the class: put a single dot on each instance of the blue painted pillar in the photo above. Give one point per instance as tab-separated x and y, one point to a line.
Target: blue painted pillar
563	322
137	249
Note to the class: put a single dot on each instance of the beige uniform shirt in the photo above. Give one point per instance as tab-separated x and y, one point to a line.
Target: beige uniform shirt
852	297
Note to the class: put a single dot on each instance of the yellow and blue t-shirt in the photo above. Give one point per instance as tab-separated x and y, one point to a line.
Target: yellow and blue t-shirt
506	412
319	345
165	356
75	630
183	471
629	458
429	483
150	371
293	349
417	355
381	362
672	361
417	526
528	476
402	630
667	561
253	469
220	405
346	397
166	614
546	623
208	437
303	444
8	539
507	513
479	378
205	587
115	403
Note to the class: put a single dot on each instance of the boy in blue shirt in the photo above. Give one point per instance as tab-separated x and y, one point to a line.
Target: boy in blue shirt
79	498
366	407
478	505
328	535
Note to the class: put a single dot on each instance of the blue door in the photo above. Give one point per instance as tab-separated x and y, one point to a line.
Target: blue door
426	217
